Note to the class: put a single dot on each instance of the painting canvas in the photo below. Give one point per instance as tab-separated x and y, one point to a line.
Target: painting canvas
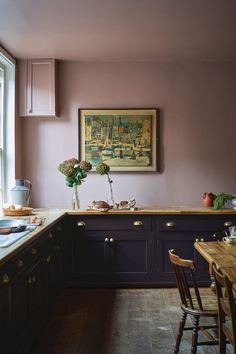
125	139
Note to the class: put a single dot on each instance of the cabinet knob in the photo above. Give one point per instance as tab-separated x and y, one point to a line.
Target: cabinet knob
59	228
228	223
81	224
57	248
19	263
196	239
138	223
202	239
29	280
5	278
34	251
112	240
48	259
33	280
50	236
106	239
170	224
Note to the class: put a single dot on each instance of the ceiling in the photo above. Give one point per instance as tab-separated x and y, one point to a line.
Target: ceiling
120	30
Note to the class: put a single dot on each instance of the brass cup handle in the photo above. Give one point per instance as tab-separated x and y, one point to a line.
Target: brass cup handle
228	223
170	224
19	263
81	224
106	239
138	223
112	240
5	278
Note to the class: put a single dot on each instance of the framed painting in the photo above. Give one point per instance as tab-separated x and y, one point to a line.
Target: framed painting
125	139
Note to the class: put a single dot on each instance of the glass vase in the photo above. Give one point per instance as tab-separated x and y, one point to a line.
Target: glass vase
110	196
75	205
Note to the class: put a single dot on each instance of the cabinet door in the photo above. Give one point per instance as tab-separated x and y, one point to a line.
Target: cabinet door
37	279
53	260
131	255
18	312
4	319
90	258
38	87
182	243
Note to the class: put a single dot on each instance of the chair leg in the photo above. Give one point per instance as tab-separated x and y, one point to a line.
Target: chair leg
195	335
222	341
180	332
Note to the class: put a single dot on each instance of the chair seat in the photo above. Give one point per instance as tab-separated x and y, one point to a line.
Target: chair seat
209	303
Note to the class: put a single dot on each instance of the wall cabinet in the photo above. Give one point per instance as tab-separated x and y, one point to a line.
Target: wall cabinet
38	87
115	251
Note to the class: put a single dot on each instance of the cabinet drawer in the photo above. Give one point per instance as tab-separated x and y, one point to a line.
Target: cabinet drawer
112	223
196	224
20	263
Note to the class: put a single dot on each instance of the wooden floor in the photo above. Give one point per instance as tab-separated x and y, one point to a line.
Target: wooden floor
115	321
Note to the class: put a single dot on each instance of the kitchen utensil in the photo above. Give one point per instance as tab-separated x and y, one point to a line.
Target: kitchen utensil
9	226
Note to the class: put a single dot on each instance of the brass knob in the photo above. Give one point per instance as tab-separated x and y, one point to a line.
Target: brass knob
106	239
196	239
138	223
81	224
202	240
48	259
34	251
170	224
112	240
228	223
5	279
50	236
19	263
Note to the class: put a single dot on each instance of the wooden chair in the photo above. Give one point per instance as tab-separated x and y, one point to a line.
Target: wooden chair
193	304
227	309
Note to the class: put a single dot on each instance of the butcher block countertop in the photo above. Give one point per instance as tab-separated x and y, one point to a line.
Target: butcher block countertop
158	210
54	215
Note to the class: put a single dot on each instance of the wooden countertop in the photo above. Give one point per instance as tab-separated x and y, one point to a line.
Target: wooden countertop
157	210
53	215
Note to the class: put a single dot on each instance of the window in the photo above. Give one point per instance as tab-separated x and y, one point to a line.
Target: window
7	125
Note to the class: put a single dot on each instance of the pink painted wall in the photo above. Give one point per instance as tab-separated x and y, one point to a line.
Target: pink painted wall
197	103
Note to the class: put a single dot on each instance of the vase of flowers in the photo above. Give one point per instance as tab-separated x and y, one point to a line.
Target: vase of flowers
104	169
75	171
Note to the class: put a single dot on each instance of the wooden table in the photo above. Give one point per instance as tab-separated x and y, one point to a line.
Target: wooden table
222	254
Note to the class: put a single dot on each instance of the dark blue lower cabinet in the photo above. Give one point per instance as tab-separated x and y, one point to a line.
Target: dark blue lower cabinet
111	258
133	250
180	233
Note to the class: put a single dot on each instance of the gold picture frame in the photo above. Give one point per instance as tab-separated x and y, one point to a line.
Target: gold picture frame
125	139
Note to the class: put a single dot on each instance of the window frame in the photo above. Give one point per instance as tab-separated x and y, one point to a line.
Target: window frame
8	64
